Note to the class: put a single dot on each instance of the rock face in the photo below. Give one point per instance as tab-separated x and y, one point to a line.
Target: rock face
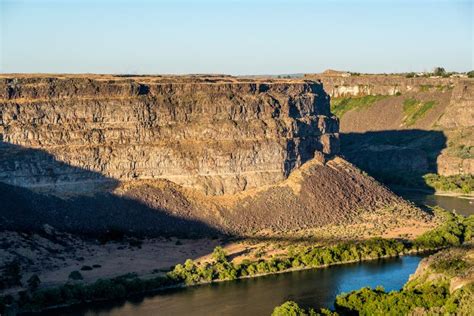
377	139
460	112
219	135
346	86
182	156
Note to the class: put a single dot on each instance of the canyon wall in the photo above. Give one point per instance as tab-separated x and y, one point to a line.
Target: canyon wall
339	86
377	137
219	135
187	155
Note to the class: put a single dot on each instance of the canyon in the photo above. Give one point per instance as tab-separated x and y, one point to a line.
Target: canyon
168	155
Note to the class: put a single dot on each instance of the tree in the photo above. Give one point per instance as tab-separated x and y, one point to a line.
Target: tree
219	254
289	308
439	71
75	275
470	74
33	282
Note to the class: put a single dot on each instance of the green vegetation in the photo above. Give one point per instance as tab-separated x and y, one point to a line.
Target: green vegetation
464	152
429	298
296	258
75	275
70	293
439	71
415	110
463	184
455	231
470	74
339	106
33	282
290	308
428	292
10	275
456	183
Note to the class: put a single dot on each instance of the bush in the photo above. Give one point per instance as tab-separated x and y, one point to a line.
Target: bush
86	268
75	275
453	232
463	183
439	71
33	282
289	308
429	298
116	288
10	275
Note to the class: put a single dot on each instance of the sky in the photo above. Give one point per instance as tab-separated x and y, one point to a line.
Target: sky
234	37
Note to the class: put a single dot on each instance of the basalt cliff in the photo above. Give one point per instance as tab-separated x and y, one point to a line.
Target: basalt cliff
394	126
216	135
172	154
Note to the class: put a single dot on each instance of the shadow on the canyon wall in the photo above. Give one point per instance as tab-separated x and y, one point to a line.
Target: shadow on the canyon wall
25	206
397	158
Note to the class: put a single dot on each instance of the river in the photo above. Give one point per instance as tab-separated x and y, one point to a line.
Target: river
310	288
258	296
463	206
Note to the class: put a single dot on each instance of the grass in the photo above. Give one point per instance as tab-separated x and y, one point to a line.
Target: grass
339	106
415	109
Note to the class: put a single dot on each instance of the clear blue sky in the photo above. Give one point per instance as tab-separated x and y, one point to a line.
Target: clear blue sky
234	37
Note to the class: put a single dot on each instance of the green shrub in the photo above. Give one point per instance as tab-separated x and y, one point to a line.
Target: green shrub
75	275
10	275
289	308
367	301
456	183
33	282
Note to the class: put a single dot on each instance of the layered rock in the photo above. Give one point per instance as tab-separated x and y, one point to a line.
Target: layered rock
349	86
377	138
215	134
183	156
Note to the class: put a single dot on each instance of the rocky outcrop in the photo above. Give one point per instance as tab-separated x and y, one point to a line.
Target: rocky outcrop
348	86
377	139
219	135
460	112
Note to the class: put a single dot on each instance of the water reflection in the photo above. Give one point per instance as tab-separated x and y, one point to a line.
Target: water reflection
310	288
462	206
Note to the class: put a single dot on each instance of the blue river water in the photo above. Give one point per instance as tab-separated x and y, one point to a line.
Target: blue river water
258	296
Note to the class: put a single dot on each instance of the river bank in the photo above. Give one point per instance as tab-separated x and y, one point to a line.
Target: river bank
453	232
134	282
258	296
443	284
